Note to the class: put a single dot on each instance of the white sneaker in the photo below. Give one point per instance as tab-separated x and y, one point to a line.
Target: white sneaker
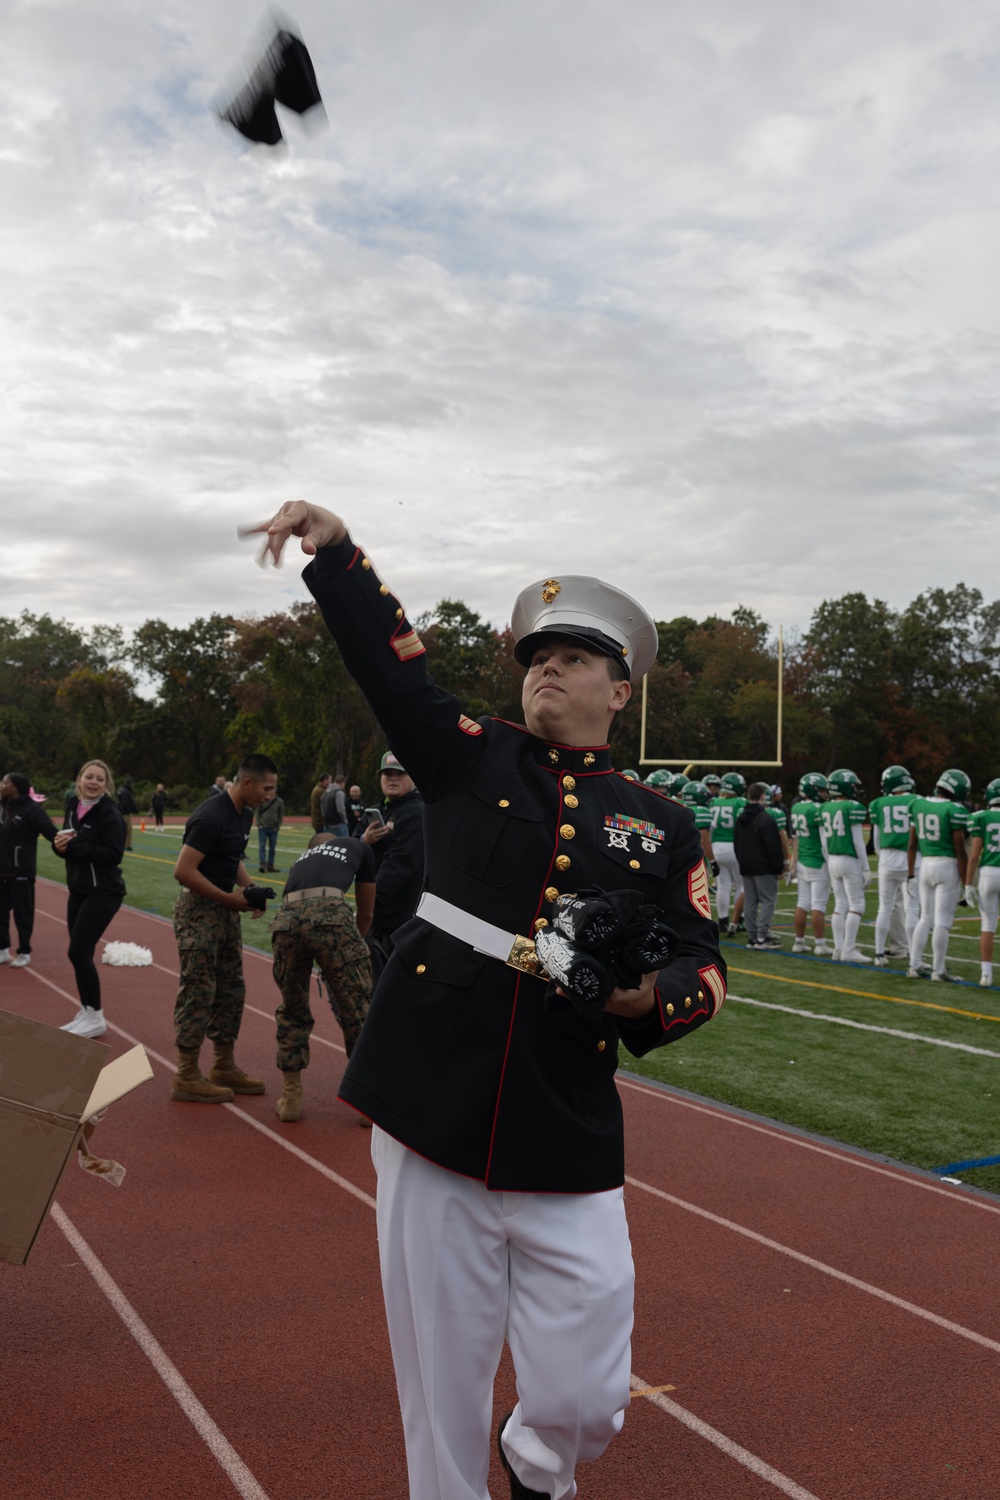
92	1023
21	961
822	950
6	957
892	952
881	960
75	1023
835	955
854	956
944	978
984	983
920	973
799	946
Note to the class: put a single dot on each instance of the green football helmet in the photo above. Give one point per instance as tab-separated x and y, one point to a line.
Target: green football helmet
993	793
713	783
732	784
954	784
677	783
631	775
896	779
660	779
844	784
696	794
814	787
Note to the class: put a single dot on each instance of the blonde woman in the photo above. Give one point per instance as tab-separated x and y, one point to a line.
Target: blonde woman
92	844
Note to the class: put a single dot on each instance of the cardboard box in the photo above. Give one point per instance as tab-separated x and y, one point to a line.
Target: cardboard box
51	1083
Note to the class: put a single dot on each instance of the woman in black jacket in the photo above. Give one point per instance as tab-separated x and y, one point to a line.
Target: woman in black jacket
92	845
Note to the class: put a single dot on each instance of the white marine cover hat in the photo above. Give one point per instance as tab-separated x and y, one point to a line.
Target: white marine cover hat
590	611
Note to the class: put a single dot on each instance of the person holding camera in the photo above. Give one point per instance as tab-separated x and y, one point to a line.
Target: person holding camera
209	941
397	841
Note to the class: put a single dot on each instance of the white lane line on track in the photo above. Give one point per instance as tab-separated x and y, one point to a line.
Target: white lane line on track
846	1158
222	1450
726	1445
670	1408
818	1265
906	1036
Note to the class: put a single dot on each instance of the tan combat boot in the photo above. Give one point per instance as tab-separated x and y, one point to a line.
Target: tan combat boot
191	1088
289	1106
228	1075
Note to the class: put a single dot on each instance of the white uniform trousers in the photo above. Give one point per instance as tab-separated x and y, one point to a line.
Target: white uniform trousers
898	911
729	881
940	889
463	1268
989	897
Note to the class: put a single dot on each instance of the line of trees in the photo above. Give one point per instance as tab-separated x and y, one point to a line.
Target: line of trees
864	686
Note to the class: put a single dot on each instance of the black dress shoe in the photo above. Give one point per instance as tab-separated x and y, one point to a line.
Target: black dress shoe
518	1491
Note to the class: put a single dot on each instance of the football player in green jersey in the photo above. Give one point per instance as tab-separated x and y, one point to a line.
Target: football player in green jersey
696	797
937	832
984	856
841	827
714	784
811	873
890	820
726	808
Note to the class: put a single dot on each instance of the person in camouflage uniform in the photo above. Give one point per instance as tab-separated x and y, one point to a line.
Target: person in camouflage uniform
315	925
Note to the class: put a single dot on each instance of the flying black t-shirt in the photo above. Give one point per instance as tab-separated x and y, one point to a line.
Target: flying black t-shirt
336	862
220	833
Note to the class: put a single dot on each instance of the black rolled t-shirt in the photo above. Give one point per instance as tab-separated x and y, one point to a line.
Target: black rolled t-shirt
336	862
220	833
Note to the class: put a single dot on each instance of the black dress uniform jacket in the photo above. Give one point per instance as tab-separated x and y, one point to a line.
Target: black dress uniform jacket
462	1058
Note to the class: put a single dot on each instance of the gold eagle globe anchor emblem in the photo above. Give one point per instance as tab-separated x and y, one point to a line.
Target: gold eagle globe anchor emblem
550	588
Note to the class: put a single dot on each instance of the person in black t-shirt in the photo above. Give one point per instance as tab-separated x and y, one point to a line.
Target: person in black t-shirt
209	942
314	924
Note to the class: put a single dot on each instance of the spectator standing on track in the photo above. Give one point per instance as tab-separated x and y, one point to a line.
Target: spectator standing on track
22	822
937	833
209	942
335	808
984	856
158	804
499	1145
316	802
315	925
398	845
757	845
843	837
92	846
890	822
811	873
355	810
218	788
269	817
128	807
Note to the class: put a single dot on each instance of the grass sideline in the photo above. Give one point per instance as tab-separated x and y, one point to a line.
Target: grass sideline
893	1089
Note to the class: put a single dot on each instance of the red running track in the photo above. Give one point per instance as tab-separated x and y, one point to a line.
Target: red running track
809	1321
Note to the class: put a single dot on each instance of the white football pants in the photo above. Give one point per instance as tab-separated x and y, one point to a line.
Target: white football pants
989	897
729	881
940	889
896	909
813	887
848	884
463	1268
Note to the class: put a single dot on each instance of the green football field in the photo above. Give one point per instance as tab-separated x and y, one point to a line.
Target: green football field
903	1067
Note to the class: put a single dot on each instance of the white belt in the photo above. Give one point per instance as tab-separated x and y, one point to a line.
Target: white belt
509	947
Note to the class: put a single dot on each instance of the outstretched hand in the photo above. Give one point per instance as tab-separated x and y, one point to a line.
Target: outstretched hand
315	526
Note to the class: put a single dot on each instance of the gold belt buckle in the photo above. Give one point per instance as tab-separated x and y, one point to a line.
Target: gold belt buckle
522	956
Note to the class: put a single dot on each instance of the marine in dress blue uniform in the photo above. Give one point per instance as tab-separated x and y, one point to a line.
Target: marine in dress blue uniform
477	1075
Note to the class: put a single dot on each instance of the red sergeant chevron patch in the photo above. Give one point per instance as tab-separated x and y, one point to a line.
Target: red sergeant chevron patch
469	726
407	645
715	984
698	889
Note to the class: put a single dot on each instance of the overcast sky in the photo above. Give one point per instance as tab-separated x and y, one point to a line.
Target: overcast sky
701	297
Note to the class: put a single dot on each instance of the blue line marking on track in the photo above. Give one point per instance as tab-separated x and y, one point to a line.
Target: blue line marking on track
968	1166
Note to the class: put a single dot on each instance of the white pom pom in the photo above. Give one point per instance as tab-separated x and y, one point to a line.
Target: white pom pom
126	955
